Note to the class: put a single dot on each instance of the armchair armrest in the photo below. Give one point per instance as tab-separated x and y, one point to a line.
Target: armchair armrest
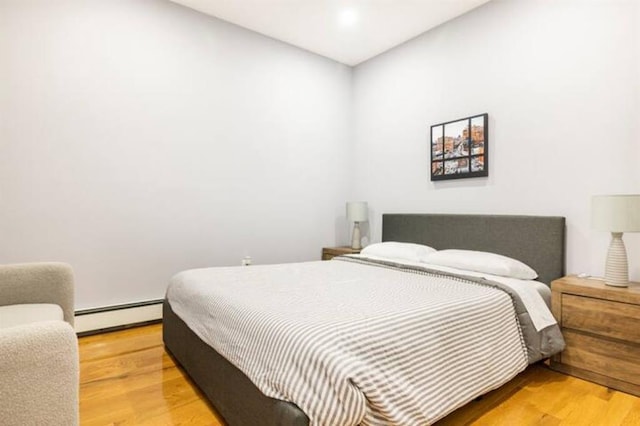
39	374
38	283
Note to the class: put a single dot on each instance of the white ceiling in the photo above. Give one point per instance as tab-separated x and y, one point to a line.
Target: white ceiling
348	31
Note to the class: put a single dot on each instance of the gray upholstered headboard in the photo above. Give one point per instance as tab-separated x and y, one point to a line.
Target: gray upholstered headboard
538	241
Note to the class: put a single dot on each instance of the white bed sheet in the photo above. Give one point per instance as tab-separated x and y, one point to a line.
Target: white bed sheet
535	295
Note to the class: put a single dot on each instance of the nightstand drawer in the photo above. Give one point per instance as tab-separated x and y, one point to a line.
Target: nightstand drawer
617	360
602	317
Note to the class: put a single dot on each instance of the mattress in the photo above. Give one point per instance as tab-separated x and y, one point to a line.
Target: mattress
362	342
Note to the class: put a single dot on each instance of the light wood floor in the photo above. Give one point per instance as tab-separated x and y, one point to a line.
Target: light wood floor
126	378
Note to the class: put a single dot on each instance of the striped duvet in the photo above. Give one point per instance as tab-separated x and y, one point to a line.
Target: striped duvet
356	342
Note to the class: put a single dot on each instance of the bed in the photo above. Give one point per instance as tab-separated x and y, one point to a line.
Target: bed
537	241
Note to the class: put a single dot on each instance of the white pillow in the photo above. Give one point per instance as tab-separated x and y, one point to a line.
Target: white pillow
394	250
482	261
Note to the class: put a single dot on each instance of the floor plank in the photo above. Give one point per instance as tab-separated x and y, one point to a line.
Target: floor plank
127	378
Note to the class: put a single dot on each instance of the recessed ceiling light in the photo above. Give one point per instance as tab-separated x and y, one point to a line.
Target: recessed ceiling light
348	17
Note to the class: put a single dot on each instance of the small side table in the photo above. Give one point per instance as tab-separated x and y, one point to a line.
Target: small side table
329	253
601	326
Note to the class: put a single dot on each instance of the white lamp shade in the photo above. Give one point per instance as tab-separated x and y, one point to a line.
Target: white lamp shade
357	211
616	213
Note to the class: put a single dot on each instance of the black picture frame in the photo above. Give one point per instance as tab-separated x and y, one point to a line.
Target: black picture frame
460	148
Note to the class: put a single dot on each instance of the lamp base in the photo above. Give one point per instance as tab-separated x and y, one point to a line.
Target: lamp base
616	272
355	239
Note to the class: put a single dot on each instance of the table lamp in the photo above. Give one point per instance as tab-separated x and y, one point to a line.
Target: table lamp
616	214
357	211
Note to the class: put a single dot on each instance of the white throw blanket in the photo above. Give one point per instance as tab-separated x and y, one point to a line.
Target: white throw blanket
350	343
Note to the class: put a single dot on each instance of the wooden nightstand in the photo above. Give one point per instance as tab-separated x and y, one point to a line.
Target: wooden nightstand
601	326
329	253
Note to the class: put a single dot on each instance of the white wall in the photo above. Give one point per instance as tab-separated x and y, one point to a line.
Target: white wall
138	139
560	81
141	138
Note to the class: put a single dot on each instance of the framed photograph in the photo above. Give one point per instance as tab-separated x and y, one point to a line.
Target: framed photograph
460	148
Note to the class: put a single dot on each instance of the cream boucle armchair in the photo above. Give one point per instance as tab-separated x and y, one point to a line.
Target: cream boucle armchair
38	346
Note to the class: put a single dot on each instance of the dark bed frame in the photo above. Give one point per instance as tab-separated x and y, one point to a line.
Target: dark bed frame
538	241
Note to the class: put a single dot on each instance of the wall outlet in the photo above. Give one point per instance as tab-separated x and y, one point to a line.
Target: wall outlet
246	261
